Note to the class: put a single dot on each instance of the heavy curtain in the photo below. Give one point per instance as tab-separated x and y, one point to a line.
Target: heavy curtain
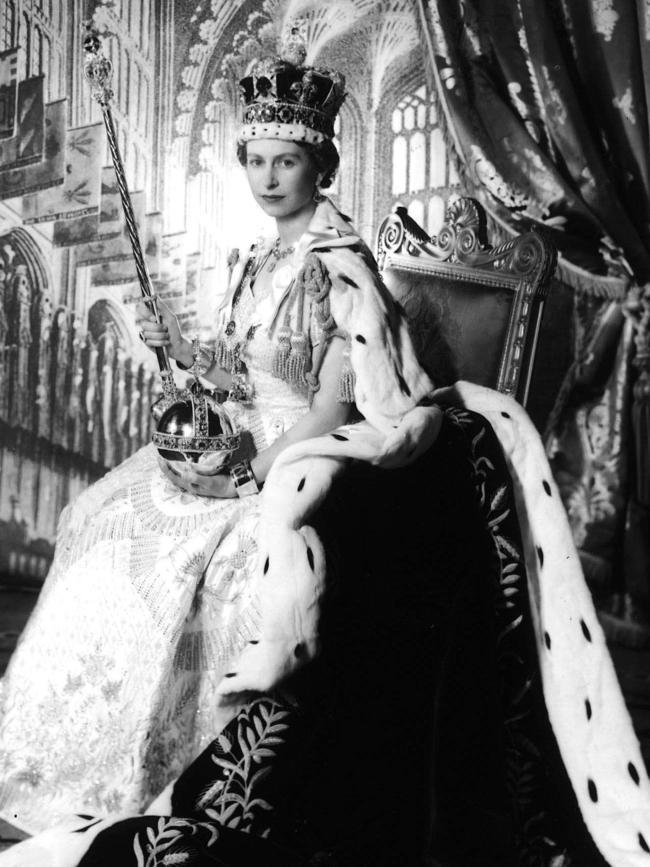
546	109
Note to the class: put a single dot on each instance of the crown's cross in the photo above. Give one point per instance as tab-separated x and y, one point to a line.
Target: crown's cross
293	49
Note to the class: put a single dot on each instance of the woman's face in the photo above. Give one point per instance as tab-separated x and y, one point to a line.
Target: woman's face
282	177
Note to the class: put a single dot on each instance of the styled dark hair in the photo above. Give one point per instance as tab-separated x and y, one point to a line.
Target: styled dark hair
324	155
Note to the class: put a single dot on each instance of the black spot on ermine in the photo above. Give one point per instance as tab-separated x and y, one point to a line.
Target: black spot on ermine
402	384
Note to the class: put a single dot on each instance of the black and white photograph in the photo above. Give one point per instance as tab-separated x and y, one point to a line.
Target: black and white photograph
324	433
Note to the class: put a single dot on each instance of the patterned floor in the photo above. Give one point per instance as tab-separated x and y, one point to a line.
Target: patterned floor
633	667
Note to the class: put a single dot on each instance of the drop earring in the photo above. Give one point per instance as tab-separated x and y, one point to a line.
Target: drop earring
318	196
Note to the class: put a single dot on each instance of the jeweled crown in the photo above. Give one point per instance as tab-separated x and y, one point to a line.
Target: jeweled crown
282	97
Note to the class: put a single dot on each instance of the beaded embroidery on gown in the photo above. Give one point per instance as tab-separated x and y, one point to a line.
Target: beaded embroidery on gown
112	689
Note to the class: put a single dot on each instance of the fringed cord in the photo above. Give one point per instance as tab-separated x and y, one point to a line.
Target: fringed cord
297	362
281	357
284	348
345	390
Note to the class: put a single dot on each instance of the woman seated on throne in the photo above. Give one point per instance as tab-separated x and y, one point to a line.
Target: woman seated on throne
325	653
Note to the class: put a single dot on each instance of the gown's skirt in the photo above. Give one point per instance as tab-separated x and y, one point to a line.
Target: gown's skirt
111	691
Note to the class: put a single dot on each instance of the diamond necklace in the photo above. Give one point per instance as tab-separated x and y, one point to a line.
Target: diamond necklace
279	254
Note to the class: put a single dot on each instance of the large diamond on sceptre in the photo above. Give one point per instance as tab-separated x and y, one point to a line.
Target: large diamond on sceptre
191	424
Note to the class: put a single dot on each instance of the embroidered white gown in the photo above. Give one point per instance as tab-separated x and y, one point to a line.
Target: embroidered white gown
112	689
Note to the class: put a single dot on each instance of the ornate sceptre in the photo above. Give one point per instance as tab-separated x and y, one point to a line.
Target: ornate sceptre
191	425
98	71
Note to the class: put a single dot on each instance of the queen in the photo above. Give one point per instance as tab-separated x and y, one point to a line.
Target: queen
129	664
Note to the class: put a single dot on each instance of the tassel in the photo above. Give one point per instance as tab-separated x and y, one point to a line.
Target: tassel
345	390
297	361
223	355
283	350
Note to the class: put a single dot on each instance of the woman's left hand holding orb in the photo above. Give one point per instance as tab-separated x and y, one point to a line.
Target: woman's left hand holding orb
189	478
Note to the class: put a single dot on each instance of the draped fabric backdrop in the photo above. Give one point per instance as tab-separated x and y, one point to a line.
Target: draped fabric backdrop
546	107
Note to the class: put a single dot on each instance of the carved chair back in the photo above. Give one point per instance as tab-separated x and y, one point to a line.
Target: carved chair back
474	310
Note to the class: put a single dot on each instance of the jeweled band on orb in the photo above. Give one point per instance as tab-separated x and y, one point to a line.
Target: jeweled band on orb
195	444
244	479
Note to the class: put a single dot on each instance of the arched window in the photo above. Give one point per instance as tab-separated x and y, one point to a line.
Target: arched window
416	210
437	158
399	165
46	63
417	162
37	55
422	172
9	26
25	40
436	213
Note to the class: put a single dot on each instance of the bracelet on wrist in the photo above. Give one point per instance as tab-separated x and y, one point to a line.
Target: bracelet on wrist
244	479
203	359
